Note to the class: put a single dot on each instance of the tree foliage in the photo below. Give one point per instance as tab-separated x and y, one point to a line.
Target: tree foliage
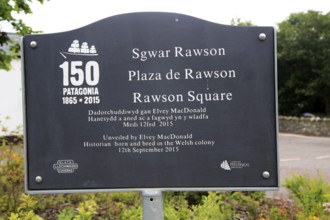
239	22
8	10
303	63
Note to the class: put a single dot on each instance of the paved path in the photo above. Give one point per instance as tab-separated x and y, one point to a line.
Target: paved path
302	155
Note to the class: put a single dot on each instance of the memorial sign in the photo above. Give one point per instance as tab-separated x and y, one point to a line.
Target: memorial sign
151	100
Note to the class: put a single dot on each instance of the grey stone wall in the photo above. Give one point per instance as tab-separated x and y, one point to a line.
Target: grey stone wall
307	126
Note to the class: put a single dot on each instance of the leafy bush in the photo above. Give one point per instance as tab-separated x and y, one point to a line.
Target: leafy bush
214	207
11	179
86	210
25	210
283	209
176	206
66	214
310	194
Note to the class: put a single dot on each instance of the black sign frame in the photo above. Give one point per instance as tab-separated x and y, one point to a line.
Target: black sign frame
151	101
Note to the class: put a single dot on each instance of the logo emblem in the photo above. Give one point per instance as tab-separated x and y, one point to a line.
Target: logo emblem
234	165
65	166
224	165
82	50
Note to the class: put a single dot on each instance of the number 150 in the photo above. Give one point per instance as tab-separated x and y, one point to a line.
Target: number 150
77	76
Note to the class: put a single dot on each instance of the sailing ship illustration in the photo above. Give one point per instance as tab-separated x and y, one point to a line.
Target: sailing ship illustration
81	50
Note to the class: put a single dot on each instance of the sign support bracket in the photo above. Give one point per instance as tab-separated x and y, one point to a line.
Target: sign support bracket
152	201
